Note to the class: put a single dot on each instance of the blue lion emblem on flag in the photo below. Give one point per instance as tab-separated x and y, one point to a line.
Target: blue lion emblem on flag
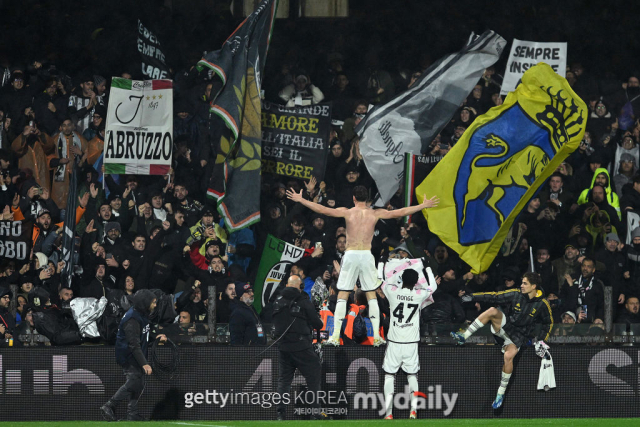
503	160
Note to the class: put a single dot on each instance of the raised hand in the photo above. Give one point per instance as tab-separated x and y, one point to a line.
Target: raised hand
296	197
89	228
311	185
430	203
94	190
84	199
336	266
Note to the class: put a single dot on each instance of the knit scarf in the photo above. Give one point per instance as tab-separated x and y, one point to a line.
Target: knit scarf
61	146
583	289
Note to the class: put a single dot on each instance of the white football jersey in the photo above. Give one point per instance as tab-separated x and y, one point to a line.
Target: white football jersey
405	304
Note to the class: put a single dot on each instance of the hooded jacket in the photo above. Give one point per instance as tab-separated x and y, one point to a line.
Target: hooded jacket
612	198
132	339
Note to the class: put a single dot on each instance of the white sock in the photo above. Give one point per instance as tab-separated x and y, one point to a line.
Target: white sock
474	326
374	316
338	317
389	388
503	383
413	387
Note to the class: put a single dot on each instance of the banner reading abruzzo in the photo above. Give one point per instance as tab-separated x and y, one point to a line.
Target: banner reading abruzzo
139	131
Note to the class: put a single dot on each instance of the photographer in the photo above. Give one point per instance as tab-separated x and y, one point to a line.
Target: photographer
294	317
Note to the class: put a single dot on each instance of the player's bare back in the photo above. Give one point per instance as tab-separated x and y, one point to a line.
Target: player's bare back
361	222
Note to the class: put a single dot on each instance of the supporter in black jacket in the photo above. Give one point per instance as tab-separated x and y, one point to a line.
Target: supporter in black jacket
542	266
445	310
223	304
50	107
630	314
586	291
245	326
615	261
7	321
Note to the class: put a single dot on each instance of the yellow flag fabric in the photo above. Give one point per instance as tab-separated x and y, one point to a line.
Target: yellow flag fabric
500	162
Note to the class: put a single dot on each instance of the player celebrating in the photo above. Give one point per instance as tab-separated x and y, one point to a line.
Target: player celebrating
515	325
358	261
403	336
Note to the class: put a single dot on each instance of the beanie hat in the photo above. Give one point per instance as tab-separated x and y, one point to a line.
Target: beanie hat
612	236
98	80
626	157
112	225
241	288
635	232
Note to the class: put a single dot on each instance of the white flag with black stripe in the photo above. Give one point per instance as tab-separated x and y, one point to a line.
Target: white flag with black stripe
412	119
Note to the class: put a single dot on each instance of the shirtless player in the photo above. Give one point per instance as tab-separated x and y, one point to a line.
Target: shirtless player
358	262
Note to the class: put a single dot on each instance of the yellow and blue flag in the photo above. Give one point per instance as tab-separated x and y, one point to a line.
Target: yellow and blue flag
498	164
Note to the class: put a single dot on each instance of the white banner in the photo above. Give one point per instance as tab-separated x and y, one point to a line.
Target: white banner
525	54
139	129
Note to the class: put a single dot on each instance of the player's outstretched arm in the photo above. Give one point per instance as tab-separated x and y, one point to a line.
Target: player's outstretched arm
426	203
297	197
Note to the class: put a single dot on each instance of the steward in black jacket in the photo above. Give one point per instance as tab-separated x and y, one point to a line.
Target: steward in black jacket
131	353
245	326
294	317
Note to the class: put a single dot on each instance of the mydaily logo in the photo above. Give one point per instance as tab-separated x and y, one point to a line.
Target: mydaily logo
434	399
56	381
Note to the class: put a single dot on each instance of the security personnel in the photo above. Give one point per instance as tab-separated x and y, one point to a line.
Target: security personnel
131	353
294	317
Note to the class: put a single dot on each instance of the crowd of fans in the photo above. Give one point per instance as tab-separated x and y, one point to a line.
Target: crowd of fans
160	232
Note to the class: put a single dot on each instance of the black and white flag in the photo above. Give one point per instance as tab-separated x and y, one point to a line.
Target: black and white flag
412	119
69	228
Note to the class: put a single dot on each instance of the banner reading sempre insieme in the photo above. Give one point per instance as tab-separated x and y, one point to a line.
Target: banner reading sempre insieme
15	240
139	131
525	54
295	141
